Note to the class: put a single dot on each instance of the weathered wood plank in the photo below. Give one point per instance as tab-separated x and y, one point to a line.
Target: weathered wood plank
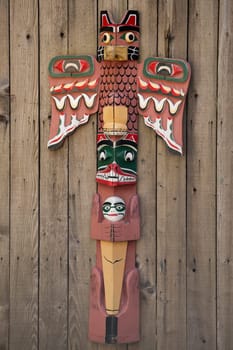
146	246
82	186
67	183
54	190
224	175
4	176
201	179
117	8
24	175
171	199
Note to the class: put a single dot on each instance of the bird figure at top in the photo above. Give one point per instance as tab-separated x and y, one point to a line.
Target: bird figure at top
82	85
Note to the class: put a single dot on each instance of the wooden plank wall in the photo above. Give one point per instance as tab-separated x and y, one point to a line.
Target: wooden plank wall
185	255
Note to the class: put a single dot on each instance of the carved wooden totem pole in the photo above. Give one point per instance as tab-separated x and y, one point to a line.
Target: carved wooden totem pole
119	89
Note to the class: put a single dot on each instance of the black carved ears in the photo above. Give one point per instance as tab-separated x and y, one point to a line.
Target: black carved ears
131	18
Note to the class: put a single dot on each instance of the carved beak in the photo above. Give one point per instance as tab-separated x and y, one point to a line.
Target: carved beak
115	53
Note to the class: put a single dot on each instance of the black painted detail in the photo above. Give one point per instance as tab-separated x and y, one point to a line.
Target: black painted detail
111	330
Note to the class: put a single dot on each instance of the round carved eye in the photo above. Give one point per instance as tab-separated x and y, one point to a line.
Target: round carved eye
107	38
130	37
106	207
129	156
102	155
120	207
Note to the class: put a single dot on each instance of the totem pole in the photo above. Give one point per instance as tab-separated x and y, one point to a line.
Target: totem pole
119	89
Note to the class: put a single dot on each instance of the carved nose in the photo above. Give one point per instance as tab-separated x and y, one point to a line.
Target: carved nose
115	167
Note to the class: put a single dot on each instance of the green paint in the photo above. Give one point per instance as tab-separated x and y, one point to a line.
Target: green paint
165	77
89	59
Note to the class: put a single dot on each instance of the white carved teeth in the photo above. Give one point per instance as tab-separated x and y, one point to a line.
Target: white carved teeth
74	101
60	104
173	107
89	101
115	178
159	104
143	102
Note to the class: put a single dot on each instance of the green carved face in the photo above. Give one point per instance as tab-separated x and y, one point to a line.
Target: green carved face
125	156
116	162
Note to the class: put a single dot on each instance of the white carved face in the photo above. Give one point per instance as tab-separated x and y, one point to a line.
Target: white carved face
114	209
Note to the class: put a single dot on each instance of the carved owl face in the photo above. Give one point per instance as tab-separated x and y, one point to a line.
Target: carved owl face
119	42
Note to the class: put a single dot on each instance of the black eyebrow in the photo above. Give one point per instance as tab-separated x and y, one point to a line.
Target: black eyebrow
126	143
130	28
104	143
106	29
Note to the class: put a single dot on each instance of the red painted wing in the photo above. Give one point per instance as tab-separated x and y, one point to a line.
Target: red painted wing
162	88
74	82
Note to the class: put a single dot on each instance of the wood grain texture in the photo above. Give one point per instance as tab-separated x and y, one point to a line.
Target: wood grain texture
201	177
53	191
24	175
171	199
4	176
82	186
146	246
225	179
47	195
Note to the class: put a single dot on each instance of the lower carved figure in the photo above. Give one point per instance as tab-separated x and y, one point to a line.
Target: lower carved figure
115	280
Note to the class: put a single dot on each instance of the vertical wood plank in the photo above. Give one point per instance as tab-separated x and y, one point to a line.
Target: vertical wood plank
225	182
54	190
82	169
171	198
24	175
146	246
4	175
117	8
201	171
64	293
